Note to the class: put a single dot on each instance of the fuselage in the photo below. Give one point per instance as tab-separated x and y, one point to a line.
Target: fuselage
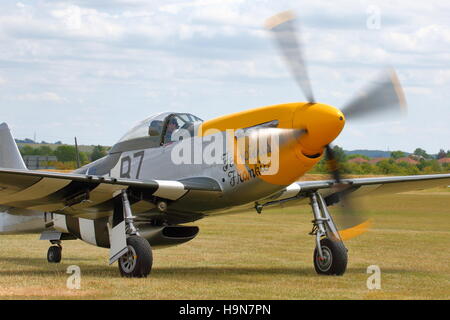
213	147
241	183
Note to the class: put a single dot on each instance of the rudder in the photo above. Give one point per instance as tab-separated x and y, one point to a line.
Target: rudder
9	152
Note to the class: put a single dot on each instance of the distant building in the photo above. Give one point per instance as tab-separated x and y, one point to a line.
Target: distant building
444	160
358	160
376	160
407	160
416	157
39	162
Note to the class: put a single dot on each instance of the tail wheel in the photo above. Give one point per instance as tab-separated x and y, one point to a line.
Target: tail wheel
137	262
334	261
54	254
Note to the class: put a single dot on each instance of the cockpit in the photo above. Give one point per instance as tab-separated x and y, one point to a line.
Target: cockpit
162	128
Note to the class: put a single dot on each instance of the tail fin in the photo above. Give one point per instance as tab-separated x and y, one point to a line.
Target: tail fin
9	153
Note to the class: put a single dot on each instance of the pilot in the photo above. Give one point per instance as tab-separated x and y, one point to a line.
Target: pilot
171	127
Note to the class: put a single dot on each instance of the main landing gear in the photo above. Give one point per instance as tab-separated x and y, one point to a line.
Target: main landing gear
137	262
330	255
132	251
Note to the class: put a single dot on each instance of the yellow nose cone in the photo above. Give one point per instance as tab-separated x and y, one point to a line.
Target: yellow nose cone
323	124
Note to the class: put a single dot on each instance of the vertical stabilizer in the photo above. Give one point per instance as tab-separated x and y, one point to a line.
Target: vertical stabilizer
9	152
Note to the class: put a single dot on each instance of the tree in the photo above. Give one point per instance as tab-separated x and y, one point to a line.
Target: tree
27	150
388	167
441	154
44	151
83	157
397	154
436	166
98	152
66	153
410	170
355	155
421	153
367	168
339	154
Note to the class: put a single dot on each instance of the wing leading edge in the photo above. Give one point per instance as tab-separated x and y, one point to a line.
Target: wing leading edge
298	191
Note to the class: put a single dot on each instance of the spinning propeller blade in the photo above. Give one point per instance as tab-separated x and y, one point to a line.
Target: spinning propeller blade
385	95
350	222
283	28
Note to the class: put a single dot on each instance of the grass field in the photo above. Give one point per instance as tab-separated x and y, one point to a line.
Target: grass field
250	256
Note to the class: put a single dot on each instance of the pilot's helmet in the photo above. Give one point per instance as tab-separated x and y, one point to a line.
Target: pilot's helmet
173	121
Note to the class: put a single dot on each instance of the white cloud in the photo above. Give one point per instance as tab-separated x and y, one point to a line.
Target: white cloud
70	16
429	38
44	96
417	91
126	59
87	23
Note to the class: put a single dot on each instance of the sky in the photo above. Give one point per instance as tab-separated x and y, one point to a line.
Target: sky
93	69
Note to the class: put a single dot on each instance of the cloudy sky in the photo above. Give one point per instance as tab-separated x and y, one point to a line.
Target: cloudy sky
92	69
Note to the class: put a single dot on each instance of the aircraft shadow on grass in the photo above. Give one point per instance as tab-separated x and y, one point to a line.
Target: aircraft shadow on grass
40	267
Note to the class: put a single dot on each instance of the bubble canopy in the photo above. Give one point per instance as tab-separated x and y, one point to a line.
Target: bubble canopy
156	125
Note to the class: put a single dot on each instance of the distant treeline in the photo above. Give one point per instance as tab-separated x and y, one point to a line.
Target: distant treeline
66	155
31	141
397	163
386	154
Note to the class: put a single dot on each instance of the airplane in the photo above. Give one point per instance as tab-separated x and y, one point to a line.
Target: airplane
151	186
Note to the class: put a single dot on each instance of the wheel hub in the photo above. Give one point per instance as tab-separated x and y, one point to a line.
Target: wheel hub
128	260
325	263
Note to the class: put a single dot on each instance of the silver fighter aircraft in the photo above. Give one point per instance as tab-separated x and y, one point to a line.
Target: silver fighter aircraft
173	168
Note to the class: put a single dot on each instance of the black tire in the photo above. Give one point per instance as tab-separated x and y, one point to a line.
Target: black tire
335	254
137	262
54	254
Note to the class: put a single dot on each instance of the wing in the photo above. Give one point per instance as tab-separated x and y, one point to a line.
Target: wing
88	196
299	191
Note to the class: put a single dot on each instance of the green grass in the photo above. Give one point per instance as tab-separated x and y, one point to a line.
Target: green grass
251	256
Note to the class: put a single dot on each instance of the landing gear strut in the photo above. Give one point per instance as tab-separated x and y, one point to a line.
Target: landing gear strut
137	259
330	255
54	253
